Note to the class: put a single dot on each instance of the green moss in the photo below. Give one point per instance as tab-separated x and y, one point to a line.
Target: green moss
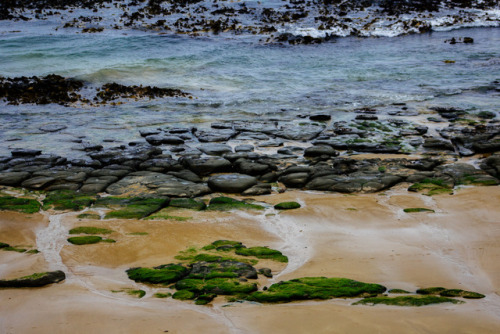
223	245
431	291
184	295
478	180
89	230
431	187
486	114
92	239
34	276
262	253
187	203
137	293
138	233
93	216
205	299
410	210
109	241
407	300
33	251
24	205
315	288
162	295
461	293
14	249
67	200
287	206
220	286
164	274
131	208
398	291
382	169
226	203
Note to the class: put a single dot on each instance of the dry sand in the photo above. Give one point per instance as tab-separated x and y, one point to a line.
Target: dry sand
366	237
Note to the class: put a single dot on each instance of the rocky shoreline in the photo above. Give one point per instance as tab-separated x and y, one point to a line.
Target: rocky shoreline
291	22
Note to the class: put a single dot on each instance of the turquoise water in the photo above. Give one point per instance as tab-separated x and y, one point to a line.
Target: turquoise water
240	78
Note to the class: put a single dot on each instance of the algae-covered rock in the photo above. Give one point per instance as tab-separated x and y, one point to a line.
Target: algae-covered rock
131	208
184	295
411	210
187	203
219	286
222	269
35	280
407	300
262	253
431	187
25	205
205	298
67	200
461	293
287	206
89	230
315	288
87	240
431	291
223	203
164	274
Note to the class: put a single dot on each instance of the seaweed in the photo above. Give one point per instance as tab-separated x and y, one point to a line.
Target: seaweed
89	230
92	239
287	206
262	253
24	205
407	300
223	203
67	200
164	274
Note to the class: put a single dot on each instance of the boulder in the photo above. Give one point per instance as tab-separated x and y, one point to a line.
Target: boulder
231	183
35	280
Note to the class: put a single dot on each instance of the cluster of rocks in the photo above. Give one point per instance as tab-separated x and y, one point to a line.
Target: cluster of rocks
65	91
331	17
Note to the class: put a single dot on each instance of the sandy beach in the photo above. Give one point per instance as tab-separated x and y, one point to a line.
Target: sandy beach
366	237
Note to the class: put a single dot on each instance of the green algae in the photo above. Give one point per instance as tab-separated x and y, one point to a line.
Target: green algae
25	205
223	203
407	300
162	295
450	292
411	210
184	295
398	291
137	293
92	239
287	206
62	200
187	203
93	216
315	288
131	208
431	187
165	214
90	230
220	286
165	274
262	253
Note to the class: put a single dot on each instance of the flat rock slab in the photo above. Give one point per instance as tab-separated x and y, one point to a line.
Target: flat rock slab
151	184
35	280
231	183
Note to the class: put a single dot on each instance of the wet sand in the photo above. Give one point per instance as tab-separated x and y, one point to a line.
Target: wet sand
367	237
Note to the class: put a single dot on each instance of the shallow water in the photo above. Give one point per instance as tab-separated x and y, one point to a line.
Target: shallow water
239	78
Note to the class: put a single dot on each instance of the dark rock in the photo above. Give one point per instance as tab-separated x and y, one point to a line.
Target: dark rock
244	148
35	280
21	152
203	269
305	132
186	175
423	164
161	165
38	182
146	133
266	272
13	178
320	117
215	149
258	189
365	117
150	184
157	140
215	136
294	180
231	183
319	150
438	144
251	167
206	166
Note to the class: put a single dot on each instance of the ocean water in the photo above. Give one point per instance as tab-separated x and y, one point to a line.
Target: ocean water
238	78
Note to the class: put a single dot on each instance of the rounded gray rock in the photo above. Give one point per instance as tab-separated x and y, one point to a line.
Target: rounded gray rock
231	183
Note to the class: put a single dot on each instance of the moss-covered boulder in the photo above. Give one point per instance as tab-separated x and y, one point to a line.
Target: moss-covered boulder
184	295
262	253
131	208
187	203
412	210
67	200
223	203
205	298
222	269
407	300
24	205
431	291
35	280
219	286
87	240
164	274
224	245
90	230
315	288
431	187
287	206
398	291
4	245
461	293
